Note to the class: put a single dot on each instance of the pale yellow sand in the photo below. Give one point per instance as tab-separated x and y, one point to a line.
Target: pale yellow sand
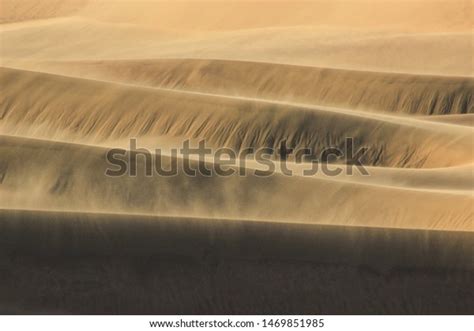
417	36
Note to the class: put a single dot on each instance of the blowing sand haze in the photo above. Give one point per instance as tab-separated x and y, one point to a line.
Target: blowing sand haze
236	157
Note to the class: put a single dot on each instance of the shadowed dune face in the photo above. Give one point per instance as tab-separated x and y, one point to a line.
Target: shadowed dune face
78	78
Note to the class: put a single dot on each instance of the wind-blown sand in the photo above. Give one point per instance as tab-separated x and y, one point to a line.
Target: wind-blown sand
80	77
368	91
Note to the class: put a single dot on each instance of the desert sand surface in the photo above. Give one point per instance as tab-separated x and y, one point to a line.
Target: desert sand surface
78	78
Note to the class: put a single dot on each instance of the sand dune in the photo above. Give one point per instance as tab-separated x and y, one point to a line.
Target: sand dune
467	120
233	15
71	36
80	38
230	15
112	267
369	91
81	77
74	180
127	111
24	10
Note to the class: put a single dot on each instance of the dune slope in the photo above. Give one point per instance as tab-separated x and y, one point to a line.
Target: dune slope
74	180
369	91
96	111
